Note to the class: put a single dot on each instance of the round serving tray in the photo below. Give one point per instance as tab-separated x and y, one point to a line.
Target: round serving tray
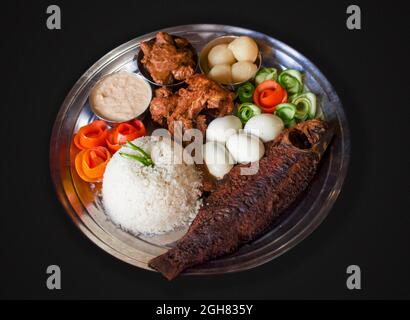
83	203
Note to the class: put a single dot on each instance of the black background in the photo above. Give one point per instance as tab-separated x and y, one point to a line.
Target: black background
368	226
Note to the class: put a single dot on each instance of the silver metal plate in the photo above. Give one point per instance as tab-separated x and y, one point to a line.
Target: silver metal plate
83	204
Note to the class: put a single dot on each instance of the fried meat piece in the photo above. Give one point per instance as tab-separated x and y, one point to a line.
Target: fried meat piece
168	58
190	105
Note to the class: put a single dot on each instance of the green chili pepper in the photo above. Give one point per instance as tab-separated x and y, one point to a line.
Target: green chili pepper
144	158
247	110
132	146
245	92
135	157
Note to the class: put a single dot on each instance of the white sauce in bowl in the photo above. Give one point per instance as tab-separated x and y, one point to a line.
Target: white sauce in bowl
120	97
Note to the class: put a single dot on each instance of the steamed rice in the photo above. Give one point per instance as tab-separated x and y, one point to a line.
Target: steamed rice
151	200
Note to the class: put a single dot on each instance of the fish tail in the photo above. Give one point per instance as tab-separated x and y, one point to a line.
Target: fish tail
167	266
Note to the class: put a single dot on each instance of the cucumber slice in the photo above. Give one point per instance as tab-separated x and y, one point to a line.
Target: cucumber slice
302	110
290	123
306	101
291	80
286	111
266	74
294	73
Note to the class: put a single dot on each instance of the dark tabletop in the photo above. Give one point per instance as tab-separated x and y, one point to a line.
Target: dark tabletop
369	225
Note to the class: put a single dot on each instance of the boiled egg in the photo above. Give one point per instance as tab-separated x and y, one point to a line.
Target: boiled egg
220	129
245	147
265	126
217	159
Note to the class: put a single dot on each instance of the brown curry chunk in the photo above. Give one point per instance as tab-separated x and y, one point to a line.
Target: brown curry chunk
168	58
191	105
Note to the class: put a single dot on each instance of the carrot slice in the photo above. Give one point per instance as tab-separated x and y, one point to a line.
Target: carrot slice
110	140
91	135
90	164
96	134
124	132
77	142
139	125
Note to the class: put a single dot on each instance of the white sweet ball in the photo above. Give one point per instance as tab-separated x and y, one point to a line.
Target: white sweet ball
220	54
221	73
243	71
244	49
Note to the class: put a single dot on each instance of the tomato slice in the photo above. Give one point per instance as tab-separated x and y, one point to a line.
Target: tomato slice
268	95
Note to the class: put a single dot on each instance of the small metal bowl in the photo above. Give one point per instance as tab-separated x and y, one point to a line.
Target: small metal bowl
114	122
203	57
147	75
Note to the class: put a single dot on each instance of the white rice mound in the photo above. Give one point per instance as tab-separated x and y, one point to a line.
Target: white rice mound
155	199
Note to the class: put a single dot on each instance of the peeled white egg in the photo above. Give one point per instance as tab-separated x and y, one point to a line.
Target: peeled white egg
220	129
217	159
244	49
245	147
266	126
220	54
243	70
221	73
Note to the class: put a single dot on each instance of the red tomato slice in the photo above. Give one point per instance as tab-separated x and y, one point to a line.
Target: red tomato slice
268	95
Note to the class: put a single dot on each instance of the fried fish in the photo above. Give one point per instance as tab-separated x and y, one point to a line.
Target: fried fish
244	206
